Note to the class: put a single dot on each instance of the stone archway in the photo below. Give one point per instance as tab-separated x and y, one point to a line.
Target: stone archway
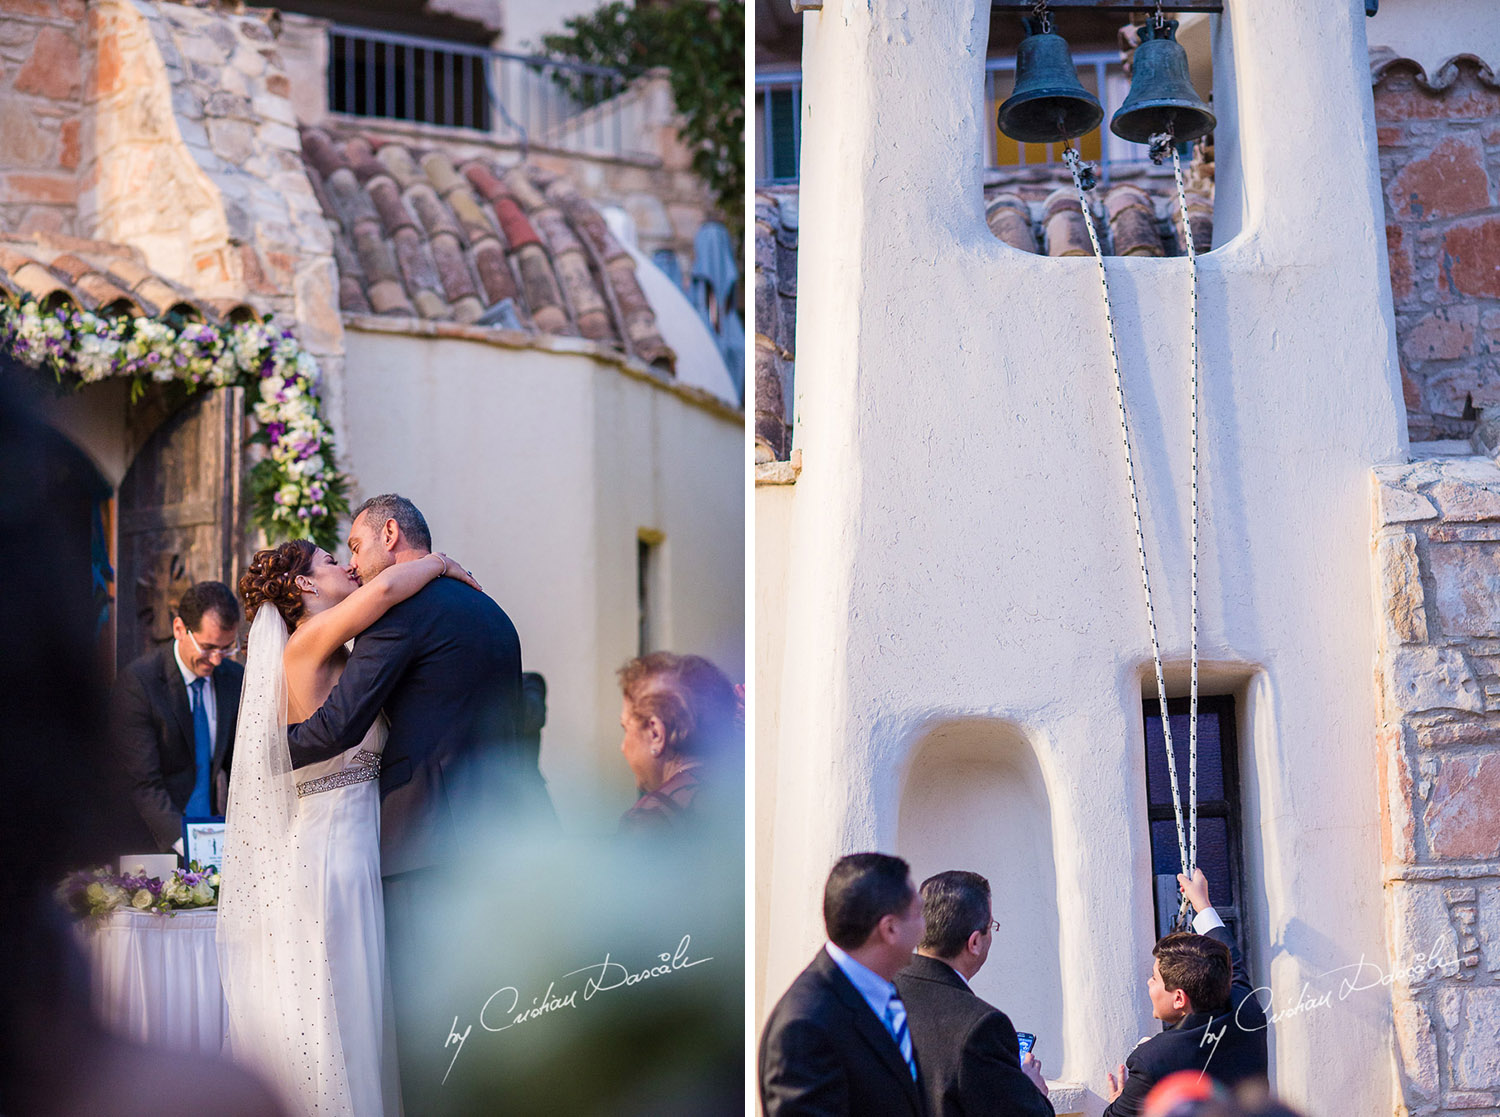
180	516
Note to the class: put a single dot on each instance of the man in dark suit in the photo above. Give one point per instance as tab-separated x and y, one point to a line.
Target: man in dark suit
173	715
971	1062
1212	1020
445	665
837	1043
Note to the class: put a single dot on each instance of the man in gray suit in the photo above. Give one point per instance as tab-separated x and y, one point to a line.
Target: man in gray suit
971	1064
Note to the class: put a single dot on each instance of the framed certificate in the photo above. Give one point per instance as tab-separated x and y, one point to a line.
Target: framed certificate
203	841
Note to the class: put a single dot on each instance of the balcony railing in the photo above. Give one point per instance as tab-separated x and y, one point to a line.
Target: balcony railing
518	98
778	110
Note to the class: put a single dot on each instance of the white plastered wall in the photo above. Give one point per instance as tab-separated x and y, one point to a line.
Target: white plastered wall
538	470
1432	31
960	543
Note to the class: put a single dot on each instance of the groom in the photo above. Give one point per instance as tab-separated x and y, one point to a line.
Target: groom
445	665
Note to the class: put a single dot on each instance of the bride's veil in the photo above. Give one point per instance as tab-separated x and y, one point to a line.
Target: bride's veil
272	956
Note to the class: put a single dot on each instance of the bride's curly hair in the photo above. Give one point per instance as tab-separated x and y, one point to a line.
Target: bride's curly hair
272	580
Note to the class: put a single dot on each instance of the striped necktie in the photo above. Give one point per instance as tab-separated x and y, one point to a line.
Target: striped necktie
895	1022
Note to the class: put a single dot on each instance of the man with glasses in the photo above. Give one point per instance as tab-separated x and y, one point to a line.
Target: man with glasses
173	715
971	1062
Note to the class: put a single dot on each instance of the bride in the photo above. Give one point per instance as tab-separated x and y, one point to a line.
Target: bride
301	931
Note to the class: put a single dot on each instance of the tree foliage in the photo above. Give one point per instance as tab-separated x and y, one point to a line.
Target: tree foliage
702	44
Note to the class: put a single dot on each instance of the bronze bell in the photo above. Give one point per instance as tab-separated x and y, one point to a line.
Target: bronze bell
1162	97
1049	103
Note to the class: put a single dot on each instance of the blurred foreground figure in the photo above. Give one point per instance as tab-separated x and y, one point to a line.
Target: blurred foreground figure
55	811
1189	1093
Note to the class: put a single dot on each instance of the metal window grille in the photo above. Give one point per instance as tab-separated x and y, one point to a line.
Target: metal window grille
531	99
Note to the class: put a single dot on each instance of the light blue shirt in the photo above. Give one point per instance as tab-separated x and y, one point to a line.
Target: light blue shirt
876	990
210	701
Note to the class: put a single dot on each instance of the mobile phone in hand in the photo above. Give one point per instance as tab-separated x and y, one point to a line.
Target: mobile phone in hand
1027	1042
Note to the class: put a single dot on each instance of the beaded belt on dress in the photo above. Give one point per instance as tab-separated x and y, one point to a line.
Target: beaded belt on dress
362	766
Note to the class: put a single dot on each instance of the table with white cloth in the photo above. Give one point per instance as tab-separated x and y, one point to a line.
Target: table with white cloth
156	977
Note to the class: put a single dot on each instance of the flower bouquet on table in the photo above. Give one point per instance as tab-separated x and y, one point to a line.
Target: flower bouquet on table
98	892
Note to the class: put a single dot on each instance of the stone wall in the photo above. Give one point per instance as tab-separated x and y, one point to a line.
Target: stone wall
1439	140
42	61
197	162
1437	562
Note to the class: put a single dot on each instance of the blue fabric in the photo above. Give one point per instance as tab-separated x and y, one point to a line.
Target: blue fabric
198	804
716	277
666	261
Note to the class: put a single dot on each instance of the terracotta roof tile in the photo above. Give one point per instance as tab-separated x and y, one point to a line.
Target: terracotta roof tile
377	256
526	195
1133	228
554	229
420	272
362	161
386	196
352	297
541	289
495	275
350	202
466	208
399	162
453	269
1133	218
1009	218
101	277
320	153
420	233
387	296
435	216
441	173
1063	225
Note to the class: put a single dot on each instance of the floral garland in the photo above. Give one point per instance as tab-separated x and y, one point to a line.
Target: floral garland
97	892
296	489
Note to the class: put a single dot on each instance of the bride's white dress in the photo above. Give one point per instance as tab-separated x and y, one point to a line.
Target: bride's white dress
301	922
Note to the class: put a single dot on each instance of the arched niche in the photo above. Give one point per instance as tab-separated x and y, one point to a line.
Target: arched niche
974	799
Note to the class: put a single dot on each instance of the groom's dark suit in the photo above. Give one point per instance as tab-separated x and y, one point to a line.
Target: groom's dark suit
445	665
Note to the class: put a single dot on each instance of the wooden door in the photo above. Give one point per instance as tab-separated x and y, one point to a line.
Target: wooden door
179	515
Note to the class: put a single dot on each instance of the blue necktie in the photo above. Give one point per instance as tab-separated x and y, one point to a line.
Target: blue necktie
895	1020
198	804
